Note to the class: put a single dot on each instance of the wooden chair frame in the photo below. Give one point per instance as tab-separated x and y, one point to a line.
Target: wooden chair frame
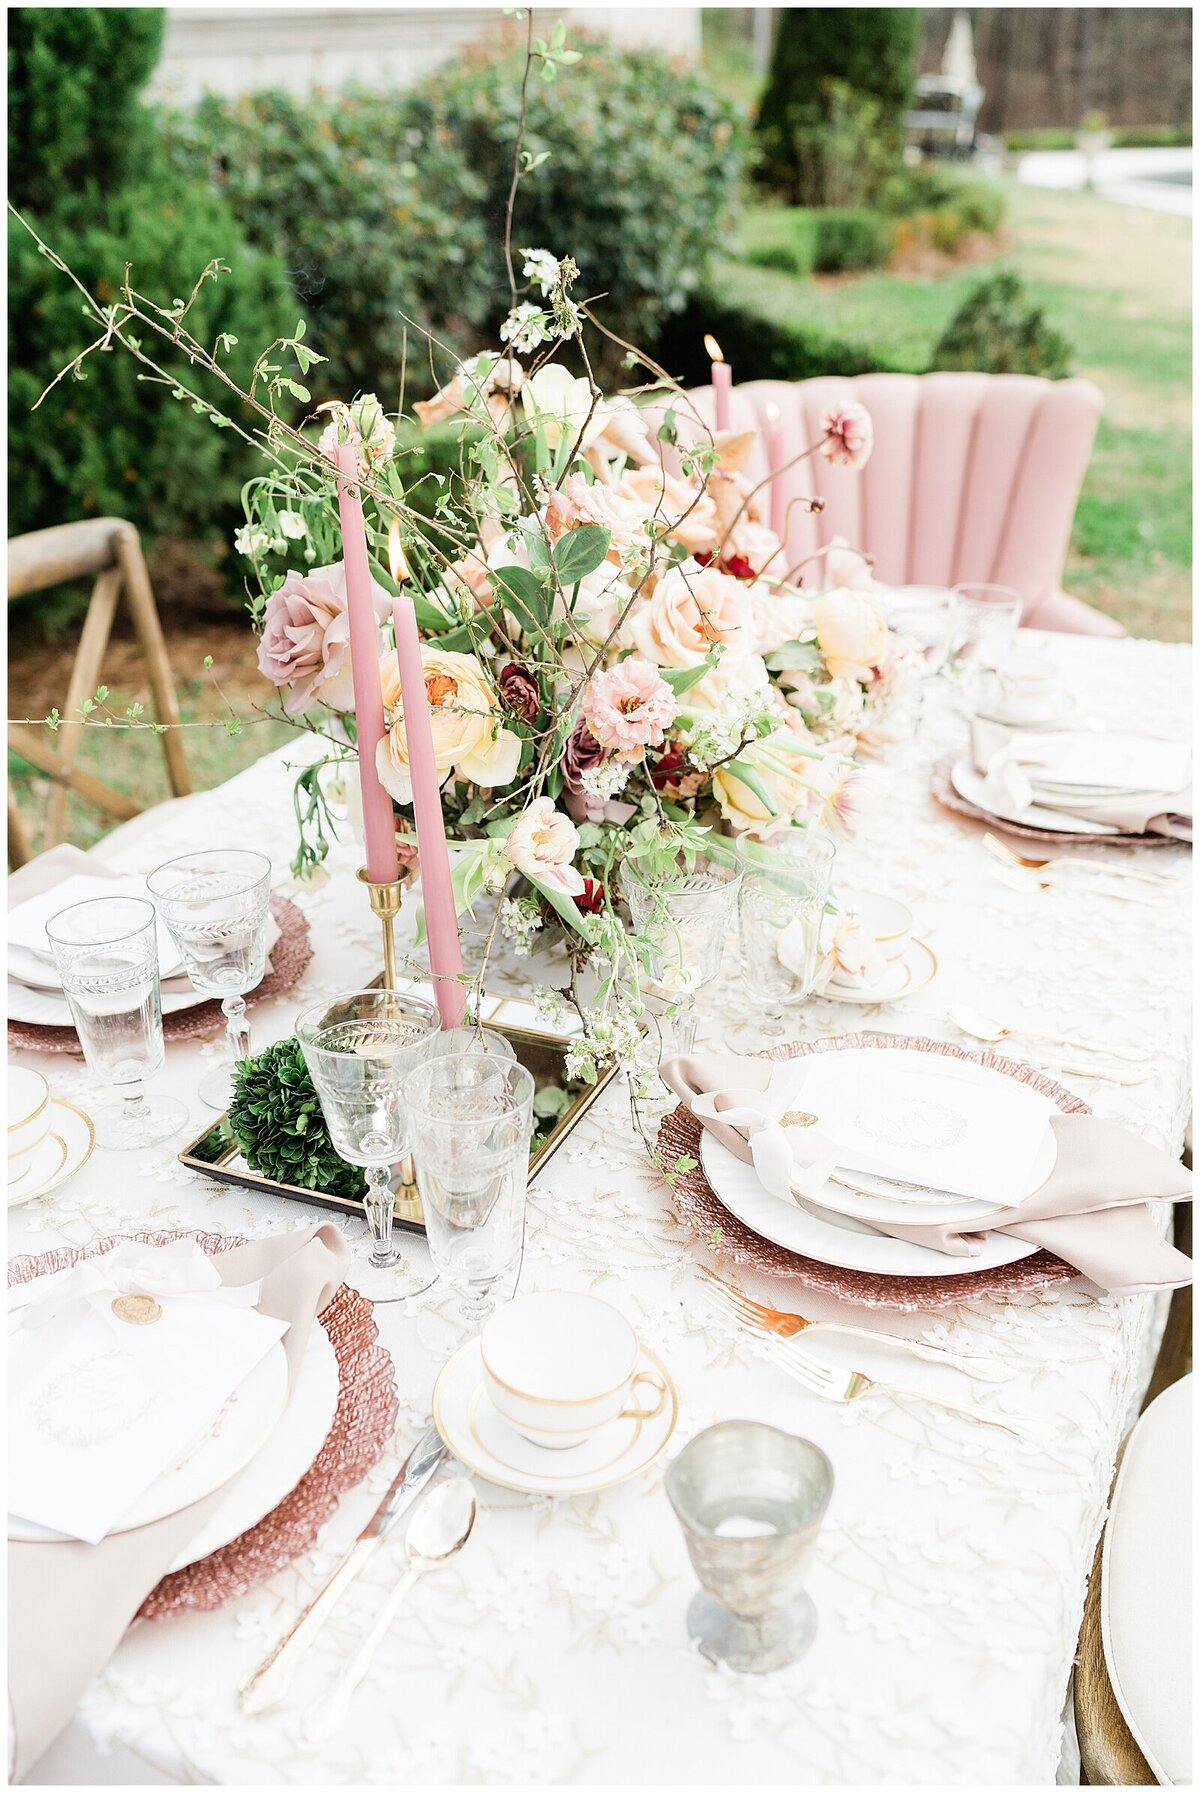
110	549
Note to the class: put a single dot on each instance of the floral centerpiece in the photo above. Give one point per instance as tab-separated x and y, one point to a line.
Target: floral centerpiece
618	661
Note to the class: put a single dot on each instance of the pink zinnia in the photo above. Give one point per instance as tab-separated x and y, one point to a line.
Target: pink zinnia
629	708
849	435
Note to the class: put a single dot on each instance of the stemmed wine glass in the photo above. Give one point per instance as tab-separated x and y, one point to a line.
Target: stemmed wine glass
472	1121
685	918
215	905
781	907
359	1050
106	952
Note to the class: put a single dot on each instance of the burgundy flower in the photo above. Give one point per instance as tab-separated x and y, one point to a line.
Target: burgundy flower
590	900
581	753
519	692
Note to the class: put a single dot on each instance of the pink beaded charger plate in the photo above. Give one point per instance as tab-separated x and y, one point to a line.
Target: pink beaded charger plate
290	957
362	1424
697	1205
949	798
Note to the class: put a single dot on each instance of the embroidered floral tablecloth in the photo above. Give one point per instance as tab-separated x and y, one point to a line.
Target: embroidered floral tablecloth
951	1571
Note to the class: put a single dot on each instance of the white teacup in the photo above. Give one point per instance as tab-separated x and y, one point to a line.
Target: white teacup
559	1366
886	920
28	1118
1024	689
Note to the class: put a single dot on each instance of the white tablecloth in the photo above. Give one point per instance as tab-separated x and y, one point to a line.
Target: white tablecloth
951	1571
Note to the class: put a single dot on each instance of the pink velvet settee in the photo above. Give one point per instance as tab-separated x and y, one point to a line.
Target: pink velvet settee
973	477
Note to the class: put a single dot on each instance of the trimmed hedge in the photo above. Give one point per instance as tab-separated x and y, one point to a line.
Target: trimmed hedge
999	330
758	347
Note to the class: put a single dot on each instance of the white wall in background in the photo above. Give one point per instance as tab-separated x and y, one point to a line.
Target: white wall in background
234	50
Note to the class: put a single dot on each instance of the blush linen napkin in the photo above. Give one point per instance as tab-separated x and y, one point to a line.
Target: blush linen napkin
71	1603
1168	813
1091	1211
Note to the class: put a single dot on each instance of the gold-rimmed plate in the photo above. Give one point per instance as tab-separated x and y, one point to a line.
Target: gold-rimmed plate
69	1143
488	1446
914	970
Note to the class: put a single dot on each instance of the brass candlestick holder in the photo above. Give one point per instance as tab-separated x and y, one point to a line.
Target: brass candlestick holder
385	903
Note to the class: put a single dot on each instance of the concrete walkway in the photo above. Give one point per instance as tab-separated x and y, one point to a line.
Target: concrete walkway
1158	180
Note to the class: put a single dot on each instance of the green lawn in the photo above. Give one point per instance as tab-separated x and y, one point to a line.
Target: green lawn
1117	282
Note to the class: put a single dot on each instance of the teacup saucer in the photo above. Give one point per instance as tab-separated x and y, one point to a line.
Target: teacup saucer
66	1148
489	1447
912	971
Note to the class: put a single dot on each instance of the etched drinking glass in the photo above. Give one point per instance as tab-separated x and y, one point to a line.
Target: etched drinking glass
106	952
781	911
215	906
751	1500
472	1120
685	919
359	1050
986	620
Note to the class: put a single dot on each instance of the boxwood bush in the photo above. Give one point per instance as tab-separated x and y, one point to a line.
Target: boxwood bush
999	330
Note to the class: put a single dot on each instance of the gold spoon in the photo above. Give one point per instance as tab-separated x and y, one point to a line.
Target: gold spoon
982	1027
440	1527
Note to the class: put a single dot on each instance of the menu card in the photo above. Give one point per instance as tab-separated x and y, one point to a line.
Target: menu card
100	1407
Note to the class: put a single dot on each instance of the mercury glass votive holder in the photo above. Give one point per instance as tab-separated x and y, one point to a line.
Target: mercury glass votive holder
751	1500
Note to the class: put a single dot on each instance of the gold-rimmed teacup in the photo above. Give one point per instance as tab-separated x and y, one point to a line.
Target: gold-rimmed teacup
560	1366
28	1118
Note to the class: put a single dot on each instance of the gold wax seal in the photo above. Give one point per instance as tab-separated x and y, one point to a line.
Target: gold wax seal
137	1310
798	1117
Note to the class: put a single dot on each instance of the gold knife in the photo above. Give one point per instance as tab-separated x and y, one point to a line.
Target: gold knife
269	1682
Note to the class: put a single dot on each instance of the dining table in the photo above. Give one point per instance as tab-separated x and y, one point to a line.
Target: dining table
951	1570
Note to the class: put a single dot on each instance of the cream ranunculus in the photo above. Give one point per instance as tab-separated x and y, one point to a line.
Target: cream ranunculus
729	686
852	634
542	844
692	608
558	401
468	738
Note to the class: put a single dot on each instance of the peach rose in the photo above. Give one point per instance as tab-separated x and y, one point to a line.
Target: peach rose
469	739
542	844
682	512
692	609
852	634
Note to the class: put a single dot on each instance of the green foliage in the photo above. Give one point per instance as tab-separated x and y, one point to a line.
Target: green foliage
377	218
782	237
108	442
829	127
760	342
999	330
74	73
643	161
851	239
1123	136
276	1115
979	204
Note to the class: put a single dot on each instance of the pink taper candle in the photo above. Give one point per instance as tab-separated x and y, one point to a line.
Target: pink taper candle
441	923
722	382
379	822
776	456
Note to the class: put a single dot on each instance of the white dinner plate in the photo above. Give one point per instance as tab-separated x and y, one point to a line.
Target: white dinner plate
489	1447
49	1008
969	784
844	1238
236	1434
914	970
69	1143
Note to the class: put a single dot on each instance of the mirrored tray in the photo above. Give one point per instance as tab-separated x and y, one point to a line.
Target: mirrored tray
216	1152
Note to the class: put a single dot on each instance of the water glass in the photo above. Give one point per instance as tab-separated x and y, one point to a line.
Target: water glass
359	1050
922	616
215	906
751	1500
106	952
986	620
685	920
472	1120
781	912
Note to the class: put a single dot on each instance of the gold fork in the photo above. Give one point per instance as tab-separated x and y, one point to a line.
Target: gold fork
788	1326
1001	850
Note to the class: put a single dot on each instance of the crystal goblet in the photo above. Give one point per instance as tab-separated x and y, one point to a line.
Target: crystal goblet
684	917
751	1500
359	1050
472	1120
781	908
106	952
215	906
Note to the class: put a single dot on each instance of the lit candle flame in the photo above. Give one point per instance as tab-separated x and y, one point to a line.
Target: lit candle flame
397	563
714	348
772	412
